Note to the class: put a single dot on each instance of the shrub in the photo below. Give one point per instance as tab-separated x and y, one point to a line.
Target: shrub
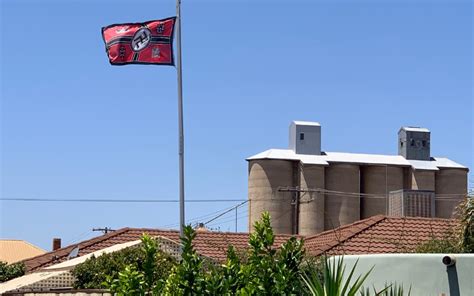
11	271
146	259
459	239
333	282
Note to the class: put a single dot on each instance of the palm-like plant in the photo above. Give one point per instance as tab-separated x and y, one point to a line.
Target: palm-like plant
390	290
334	282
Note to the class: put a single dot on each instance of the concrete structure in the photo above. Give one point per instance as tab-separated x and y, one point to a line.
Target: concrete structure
306	190
414	143
305	137
423	274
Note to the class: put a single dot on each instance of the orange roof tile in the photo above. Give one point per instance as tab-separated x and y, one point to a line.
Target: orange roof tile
209	244
378	234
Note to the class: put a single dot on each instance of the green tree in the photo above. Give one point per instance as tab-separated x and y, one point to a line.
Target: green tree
187	277
458	239
269	271
466	222
11	271
146	259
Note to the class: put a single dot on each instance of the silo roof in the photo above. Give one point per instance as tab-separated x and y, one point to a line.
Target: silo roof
442	162
372	159
415	129
288	154
299	122
366	158
423	165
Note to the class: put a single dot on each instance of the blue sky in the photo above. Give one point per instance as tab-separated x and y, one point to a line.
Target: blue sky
72	126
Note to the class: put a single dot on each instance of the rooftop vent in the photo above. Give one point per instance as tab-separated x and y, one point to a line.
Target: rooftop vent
305	137
414	143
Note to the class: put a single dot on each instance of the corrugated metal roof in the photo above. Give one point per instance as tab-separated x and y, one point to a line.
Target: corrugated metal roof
415	129
366	158
288	154
373	159
442	162
12	250
313	123
423	165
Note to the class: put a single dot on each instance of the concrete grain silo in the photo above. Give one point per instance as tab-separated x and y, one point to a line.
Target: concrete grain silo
422	179
377	181
266	177
308	191
311	205
342	208
451	189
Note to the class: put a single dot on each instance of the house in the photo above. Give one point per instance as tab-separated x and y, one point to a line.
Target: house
207	243
375	235
13	250
379	235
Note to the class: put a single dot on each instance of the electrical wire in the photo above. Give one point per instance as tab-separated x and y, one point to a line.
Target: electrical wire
119	200
199	218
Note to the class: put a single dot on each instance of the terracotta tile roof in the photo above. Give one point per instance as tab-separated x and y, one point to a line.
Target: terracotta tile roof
210	244
375	235
378	234
13	250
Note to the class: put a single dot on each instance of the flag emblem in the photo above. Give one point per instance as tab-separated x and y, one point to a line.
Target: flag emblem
140	43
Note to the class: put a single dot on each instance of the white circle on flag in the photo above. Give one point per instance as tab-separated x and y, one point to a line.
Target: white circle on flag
141	39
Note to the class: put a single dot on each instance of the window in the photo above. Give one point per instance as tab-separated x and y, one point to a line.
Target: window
301	136
401	144
423	143
412	142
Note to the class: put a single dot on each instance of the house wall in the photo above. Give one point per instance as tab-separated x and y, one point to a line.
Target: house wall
424	274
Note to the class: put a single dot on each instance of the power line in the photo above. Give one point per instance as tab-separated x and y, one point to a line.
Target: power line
119	200
199	218
222	214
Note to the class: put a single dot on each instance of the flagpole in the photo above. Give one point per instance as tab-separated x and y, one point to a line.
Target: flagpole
180	120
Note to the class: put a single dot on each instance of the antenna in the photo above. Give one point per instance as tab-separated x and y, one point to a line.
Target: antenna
104	230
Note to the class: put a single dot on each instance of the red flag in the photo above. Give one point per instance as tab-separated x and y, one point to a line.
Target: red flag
140	43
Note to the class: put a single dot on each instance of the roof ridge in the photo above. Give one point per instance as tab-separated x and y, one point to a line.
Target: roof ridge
422	218
344	226
36	247
211	232
83	244
372	222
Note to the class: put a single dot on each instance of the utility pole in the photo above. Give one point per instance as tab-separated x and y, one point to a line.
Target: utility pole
295	202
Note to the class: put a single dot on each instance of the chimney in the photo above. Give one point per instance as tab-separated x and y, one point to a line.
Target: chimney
414	143
56	243
201	227
305	137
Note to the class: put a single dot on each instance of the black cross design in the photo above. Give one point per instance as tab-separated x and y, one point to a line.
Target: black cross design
140	39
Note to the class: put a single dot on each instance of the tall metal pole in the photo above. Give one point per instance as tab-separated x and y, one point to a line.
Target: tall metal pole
180	119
